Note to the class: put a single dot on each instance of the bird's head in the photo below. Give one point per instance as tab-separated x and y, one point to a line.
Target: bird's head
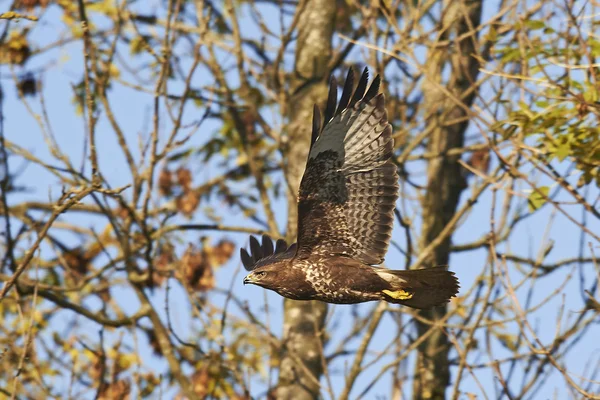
267	276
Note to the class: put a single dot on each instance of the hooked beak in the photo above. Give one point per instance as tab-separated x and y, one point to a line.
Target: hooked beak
248	279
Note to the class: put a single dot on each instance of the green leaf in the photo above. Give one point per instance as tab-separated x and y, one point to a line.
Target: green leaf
508	132
538	198
492	35
563	150
137	44
179	155
534	24
590	95
511	54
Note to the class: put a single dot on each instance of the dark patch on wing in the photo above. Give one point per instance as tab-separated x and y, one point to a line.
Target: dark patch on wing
326	180
350	185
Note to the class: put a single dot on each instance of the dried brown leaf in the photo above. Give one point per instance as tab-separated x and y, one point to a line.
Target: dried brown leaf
187	203
184	178
30	4
200	380
480	161
117	390
195	270
221	253
28	86
165	182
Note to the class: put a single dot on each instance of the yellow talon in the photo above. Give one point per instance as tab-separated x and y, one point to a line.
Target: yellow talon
399	294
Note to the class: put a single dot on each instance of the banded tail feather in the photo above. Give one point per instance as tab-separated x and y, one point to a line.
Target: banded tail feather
420	288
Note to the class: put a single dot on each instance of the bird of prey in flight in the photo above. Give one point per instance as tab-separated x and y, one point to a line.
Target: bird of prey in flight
345	215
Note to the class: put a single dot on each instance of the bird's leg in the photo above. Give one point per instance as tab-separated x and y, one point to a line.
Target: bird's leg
398	294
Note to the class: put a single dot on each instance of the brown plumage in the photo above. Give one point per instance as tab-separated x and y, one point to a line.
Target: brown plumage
345	215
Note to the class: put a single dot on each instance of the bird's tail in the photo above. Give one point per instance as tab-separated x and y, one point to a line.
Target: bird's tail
420	288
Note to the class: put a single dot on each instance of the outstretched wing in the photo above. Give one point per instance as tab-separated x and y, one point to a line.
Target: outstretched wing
350	185
265	253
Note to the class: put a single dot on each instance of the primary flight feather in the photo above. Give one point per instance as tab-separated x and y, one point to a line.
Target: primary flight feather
345	215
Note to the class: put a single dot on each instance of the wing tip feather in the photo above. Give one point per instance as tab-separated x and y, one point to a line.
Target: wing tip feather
331	100
262	251
347	92
350	97
373	89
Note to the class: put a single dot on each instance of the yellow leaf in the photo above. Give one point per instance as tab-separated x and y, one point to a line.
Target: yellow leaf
111	354
509	341
126	360
74	353
38	317
113	71
137	45
14	15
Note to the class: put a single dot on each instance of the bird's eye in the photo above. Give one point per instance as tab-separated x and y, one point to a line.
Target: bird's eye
260	274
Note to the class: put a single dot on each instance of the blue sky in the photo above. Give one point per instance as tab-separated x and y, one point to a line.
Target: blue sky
133	112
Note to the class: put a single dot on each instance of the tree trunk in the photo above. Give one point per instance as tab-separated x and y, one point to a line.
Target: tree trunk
445	181
304	321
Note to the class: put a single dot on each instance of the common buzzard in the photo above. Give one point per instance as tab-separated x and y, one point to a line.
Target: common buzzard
345	215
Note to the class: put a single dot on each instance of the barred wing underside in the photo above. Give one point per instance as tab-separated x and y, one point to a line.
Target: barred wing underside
350	185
